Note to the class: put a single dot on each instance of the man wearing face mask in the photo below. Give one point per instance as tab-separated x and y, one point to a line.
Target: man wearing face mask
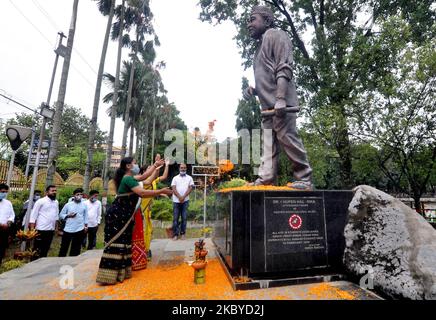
94	218
75	214
7	217
44	218
182	185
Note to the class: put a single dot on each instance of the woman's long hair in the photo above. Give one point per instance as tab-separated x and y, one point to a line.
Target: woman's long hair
121	171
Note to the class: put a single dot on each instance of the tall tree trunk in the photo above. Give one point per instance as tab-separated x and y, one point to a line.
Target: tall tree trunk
137	144
344	150
417	202
417	194
343	147
145	143
114	104
93	124
129	100
61	98
132	137
153	138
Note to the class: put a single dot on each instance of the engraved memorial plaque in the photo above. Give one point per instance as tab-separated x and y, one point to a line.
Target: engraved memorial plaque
296	228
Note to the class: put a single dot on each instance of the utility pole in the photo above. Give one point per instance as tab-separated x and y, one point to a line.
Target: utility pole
47	114
32	141
61	98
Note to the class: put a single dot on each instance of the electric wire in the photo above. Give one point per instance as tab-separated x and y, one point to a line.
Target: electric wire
49	41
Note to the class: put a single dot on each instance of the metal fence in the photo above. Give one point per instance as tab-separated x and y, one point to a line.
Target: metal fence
18	181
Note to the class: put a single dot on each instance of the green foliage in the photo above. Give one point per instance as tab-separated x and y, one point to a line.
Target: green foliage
73	143
323	159
248	112
148	102
64	195
233	183
17	204
195	209
21	119
72	146
398	116
365	169
162	209
346	57
11	265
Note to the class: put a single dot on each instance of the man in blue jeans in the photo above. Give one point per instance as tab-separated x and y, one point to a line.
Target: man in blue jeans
182	185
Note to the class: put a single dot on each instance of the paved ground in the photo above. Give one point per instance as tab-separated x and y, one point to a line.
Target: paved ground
167	277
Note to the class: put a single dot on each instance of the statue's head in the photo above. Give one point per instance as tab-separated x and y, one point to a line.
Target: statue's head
261	19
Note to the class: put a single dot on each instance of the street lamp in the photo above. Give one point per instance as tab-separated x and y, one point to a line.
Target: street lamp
16	136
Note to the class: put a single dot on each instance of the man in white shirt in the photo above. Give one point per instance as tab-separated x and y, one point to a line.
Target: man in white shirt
45	218
7	217
94	218
182	185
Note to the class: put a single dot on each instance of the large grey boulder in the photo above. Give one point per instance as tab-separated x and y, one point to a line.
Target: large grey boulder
391	244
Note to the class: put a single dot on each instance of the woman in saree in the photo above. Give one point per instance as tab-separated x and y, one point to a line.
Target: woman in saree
141	240
116	262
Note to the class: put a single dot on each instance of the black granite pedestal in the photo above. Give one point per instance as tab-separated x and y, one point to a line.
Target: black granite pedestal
281	236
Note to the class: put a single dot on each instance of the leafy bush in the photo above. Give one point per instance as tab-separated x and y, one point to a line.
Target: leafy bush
64	195
195	209
17	204
17	198
234	183
10	265
162	209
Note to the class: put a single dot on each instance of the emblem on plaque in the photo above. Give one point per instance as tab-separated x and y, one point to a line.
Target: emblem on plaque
295	222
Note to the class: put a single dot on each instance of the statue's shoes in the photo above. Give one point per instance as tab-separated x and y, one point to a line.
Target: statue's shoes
301	185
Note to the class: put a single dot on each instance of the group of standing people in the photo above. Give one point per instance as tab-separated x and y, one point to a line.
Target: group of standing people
81	219
127	242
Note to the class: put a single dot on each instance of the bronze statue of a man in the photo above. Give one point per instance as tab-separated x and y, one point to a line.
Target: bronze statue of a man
275	88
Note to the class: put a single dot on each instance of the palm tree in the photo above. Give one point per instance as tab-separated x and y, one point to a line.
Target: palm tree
146	86
107	8
117	33
139	16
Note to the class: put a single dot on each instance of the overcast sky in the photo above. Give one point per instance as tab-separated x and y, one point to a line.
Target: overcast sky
203	73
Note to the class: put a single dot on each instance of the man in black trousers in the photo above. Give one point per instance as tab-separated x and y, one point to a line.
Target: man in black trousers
44	219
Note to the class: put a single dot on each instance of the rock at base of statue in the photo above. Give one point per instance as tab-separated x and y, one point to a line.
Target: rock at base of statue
389	246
